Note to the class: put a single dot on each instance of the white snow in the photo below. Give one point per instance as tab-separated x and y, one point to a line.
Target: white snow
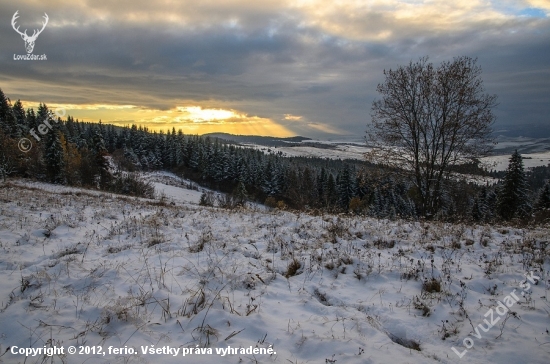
89	268
500	162
341	151
173	188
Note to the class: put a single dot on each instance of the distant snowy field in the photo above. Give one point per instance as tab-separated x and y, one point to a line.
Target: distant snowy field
82	267
348	151
538	154
500	162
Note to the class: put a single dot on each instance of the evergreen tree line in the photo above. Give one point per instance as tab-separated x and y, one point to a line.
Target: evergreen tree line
67	151
77	153
513	198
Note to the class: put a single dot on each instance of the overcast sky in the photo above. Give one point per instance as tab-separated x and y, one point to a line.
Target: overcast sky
266	67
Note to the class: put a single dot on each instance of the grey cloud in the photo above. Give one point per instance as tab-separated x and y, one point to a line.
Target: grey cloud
268	64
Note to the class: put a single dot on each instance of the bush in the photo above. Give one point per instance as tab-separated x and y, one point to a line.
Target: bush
227	201
131	184
356	205
431	286
542	217
293	268
270	202
384	244
207	199
420	305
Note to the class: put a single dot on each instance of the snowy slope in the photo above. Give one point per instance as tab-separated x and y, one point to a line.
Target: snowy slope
173	188
89	268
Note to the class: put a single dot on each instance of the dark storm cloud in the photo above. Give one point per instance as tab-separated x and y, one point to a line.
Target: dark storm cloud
268	59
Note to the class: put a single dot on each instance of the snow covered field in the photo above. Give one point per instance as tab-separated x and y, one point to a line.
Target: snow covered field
348	151
498	162
87	268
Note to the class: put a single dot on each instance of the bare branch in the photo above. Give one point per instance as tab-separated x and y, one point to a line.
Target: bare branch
430	119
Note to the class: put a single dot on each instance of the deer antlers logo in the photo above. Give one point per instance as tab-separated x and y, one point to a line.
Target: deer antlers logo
29	41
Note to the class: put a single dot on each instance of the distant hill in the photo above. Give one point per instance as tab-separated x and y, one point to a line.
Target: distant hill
507	145
523	129
259	140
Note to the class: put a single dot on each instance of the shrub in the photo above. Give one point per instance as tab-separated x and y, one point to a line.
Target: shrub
131	184
384	244
420	305
356	205
293	268
207	199
270	202
227	201
431	286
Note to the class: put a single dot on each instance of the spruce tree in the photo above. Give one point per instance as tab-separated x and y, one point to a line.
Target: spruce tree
513	198
345	187
31	119
321	183
42	115
55	158
480	207
7	119
270	184
20	120
491	202
543	201
100	159
330	191
240	194
477	214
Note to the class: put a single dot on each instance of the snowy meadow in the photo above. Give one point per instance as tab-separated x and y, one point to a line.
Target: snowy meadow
157	279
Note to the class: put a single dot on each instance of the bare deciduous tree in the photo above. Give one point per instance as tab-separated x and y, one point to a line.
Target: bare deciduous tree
430	119
6	167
